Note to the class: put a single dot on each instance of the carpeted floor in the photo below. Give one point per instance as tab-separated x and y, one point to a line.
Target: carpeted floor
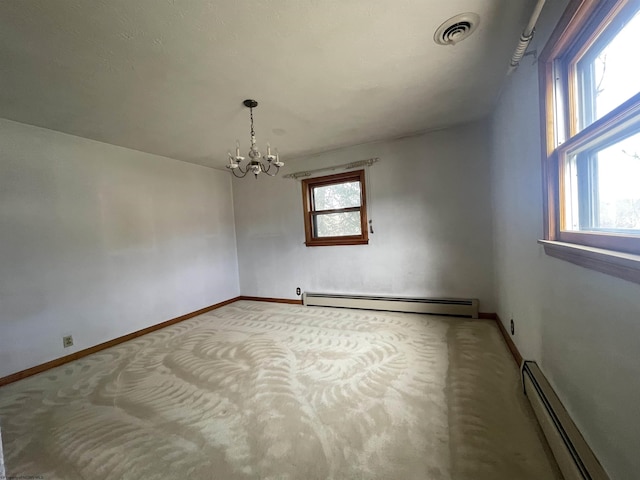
270	391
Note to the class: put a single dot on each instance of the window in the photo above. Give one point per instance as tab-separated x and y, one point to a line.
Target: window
335	210
590	86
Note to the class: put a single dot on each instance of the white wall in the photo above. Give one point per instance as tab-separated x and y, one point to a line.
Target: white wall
431	213
580	325
99	241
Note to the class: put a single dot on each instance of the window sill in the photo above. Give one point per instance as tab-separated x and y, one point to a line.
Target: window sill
335	242
617	264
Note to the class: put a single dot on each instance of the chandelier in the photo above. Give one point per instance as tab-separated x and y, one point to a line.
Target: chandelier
257	162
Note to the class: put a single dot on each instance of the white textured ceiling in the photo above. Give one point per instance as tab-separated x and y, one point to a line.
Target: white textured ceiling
168	76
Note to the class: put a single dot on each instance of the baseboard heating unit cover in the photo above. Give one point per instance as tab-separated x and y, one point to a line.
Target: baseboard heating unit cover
459	307
575	458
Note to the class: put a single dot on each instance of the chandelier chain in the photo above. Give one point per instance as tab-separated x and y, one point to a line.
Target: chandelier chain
253	133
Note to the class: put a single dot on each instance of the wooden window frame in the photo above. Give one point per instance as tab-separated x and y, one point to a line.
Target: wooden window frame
307	201
582	21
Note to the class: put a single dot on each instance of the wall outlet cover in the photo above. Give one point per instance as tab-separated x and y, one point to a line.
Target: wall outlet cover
67	341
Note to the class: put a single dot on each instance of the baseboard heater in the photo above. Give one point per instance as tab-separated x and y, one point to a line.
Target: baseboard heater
574	457
458	307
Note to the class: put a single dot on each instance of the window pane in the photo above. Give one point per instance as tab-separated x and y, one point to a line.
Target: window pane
602	188
609	72
337	224
341	195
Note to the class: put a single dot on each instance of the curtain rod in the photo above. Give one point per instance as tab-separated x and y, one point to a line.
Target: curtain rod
346	166
525	38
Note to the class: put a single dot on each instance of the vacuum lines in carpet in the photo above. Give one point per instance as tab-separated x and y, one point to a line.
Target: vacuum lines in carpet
271	391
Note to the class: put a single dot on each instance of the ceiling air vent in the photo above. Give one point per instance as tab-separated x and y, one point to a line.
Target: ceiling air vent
456	29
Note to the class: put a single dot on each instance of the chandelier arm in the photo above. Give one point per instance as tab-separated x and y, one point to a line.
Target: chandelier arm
244	172
271	174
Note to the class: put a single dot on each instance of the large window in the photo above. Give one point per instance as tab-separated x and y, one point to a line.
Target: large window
590	82
335	209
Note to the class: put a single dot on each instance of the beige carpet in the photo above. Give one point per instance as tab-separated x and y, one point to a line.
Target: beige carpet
269	391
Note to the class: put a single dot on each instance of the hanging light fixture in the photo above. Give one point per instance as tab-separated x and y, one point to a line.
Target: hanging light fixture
257	162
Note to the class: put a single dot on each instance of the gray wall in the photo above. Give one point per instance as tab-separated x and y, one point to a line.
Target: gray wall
580	325
99	241
431	209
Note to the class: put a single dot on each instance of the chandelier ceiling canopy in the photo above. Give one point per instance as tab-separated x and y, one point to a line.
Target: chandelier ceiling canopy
257	163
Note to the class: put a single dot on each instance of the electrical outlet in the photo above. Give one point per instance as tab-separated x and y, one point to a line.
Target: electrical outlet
513	327
298	291
67	341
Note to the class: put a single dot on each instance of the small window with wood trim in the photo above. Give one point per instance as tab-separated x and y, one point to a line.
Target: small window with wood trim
335	211
590	86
